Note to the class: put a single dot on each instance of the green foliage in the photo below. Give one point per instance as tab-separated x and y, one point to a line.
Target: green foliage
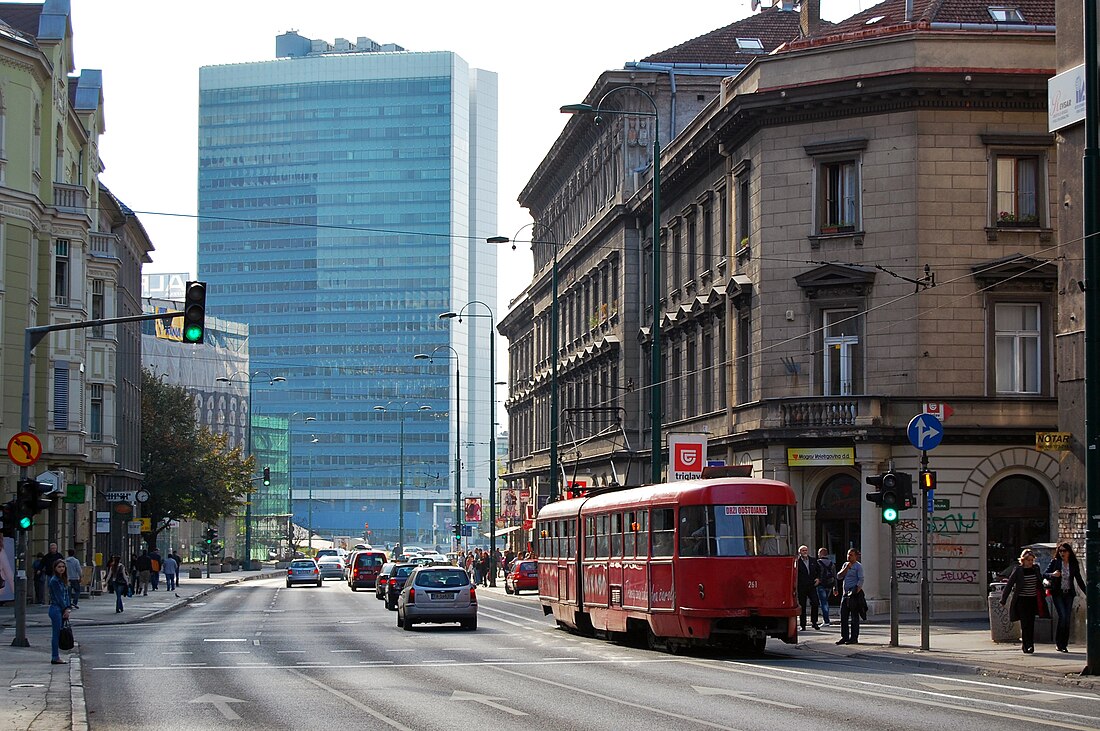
190	472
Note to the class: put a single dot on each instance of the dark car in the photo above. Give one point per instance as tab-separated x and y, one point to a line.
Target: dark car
522	575
363	569
396	581
383	578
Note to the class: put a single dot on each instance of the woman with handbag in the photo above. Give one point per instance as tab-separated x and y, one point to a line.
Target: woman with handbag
117	581
59	607
1062	573
1029	601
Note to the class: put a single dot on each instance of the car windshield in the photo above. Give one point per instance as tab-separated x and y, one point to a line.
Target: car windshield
438	578
527	566
403	571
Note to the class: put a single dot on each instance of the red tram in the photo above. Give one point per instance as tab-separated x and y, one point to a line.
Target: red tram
702	562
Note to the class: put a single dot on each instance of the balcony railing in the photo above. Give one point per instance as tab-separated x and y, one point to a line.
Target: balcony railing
70	197
102	244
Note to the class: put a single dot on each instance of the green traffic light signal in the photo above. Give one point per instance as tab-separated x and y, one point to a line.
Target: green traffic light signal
267	476
890	515
25	522
194	312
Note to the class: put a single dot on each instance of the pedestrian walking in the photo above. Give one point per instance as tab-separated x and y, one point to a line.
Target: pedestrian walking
154	568
852	601
144	566
52	556
118	581
809	577
1023	588
75	570
1062	573
40	579
59	607
171	568
825	587
179	566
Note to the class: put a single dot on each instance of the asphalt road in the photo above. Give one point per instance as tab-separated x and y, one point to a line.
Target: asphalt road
259	655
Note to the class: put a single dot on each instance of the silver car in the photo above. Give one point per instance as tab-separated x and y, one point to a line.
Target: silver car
303	571
331	567
437	594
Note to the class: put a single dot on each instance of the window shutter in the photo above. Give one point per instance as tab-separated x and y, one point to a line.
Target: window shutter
61	396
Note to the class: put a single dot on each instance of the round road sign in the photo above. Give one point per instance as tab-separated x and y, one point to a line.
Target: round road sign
24	449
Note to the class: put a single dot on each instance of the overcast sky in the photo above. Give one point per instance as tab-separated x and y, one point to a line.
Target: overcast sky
545	56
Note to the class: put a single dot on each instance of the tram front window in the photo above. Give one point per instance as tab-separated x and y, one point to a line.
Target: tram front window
735	530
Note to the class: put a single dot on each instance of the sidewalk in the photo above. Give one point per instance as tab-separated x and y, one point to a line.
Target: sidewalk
45	696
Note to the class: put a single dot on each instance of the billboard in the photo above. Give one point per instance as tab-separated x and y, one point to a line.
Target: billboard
687	456
473	510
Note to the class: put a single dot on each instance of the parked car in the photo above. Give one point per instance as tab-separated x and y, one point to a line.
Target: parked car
331	567
383	579
396	581
437	594
303	571
362	569
522	575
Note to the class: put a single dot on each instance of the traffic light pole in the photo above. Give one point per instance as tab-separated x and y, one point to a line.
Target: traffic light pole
925	583
32	336
893	585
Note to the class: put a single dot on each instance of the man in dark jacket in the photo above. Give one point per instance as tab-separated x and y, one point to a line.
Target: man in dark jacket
809	576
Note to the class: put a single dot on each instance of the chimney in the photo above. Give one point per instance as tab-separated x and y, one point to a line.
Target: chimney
809	17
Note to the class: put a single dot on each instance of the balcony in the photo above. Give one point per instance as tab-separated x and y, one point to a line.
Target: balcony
70	198
103	245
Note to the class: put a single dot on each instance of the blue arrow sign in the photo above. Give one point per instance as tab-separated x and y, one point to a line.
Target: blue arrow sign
925	432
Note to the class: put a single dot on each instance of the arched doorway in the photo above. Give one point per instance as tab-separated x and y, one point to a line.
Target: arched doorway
1017	513
838	505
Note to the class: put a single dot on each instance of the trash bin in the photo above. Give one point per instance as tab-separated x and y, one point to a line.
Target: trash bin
1000	628
194	573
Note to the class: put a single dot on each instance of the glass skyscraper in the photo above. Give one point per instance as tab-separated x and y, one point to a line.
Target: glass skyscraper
345	194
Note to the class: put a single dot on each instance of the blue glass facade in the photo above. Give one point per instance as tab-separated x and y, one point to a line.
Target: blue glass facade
343	201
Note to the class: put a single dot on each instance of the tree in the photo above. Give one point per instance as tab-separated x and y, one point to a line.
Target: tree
190	472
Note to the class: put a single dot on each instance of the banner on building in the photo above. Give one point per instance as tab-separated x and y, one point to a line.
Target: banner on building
473	510
820	456
1053	441
687	455
169	329
510	505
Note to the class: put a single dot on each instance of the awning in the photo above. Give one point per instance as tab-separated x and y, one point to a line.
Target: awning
502	531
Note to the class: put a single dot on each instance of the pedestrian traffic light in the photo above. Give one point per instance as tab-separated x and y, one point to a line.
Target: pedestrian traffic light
457	530
7	518
32	499
194	312
927	480
267	476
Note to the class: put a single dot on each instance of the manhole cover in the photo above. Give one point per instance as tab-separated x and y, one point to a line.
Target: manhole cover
28	685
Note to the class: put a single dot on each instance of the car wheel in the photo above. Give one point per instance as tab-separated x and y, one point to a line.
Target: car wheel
389	605
400	621
407	625
470	624
352	587
288	584
508	589
320	582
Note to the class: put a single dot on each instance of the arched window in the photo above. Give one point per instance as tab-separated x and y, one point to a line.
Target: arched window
1017	513
838	507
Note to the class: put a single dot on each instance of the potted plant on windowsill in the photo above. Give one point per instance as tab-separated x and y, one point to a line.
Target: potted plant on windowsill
843	227
1007	219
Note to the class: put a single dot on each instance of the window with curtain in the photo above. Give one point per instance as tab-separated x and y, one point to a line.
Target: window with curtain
1017	341
839	200
843	352
1017	190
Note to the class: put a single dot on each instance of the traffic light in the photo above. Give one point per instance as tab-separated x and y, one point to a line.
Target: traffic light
267	476
927	480
7	518
33	498
457	530
194	312
887	495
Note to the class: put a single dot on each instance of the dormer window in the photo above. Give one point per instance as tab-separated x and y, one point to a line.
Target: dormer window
872	21
750	45
1006	15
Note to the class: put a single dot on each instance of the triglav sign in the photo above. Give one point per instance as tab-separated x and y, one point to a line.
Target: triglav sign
687	456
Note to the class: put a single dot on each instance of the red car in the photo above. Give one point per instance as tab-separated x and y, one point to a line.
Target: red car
363	568
522	575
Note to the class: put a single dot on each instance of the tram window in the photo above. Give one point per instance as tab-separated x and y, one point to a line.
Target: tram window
630	536
590	537
603	523
697	531
664	531
642	533
617	535
571	546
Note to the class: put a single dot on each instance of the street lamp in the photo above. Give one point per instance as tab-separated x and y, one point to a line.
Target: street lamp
492	430
655	363
458	436
401	447
553	494
290	491
272	380
309	500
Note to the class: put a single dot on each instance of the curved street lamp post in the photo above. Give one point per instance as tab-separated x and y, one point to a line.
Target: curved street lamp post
401	447
655	349
272	380
458	435
553	493
492	430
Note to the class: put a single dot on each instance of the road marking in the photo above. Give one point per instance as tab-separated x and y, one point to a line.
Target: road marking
376	662
1013	688
388	665
224	639
485	700
291	652
345	650
352	701
1019	694
131	665
119	653
181	652
407	649
703	690
221	703
235	652
875	691
612	699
